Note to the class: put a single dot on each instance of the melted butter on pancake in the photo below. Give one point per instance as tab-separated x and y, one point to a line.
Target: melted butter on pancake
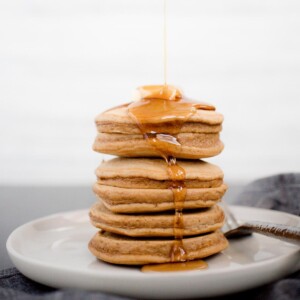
166	92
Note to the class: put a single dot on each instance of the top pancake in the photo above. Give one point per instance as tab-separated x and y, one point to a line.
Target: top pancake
118	121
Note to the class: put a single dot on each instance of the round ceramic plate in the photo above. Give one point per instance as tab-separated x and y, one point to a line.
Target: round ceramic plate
53	251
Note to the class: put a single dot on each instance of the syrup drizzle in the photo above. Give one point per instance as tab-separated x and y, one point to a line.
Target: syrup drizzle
157	106
165	42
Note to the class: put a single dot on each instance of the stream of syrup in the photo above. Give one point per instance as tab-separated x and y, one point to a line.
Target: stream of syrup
165	42
162	106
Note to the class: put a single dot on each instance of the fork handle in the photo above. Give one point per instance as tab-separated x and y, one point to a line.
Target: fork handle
289	234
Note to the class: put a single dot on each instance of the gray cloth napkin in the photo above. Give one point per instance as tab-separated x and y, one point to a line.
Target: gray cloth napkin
280	192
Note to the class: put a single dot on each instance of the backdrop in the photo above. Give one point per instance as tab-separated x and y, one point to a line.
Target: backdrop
63	62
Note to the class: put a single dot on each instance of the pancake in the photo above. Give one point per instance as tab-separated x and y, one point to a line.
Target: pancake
119	135
119	249
193	145
134	185
117	120
139	225
126	200
146	173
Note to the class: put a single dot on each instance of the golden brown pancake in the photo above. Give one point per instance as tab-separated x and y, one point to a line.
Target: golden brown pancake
193	145
119	249
119	135
126	200
140	173
118	121
134	185
148	225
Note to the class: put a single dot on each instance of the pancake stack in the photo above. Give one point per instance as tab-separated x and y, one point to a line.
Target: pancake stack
153	207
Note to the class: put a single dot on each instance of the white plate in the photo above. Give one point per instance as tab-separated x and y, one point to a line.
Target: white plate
53	251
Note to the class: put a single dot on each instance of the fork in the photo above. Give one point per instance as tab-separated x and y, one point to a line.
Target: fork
235	229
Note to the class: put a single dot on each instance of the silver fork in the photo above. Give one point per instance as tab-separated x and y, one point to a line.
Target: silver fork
235	229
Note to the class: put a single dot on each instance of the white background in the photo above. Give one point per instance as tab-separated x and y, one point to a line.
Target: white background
62	62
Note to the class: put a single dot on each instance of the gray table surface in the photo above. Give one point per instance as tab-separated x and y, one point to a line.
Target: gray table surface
19	205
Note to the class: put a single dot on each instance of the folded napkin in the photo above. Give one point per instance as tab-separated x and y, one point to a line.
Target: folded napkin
280	192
